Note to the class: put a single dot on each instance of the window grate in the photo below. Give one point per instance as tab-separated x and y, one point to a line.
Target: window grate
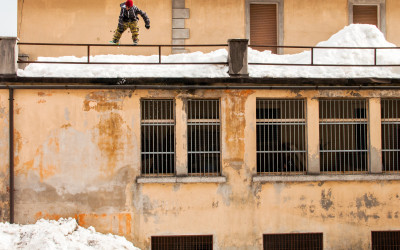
281	146
296	241
385	240
343	136
390	114
204	137
157	137
182	242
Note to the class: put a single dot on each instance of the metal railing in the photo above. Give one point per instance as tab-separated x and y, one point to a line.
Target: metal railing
312	56
159	47
89	46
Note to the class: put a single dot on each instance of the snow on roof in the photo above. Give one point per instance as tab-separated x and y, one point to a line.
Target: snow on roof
354	35
54	235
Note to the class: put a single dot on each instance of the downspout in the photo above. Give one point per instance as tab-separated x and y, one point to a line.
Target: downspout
11	160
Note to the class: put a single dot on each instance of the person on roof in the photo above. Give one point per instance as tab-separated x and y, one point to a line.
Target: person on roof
128	18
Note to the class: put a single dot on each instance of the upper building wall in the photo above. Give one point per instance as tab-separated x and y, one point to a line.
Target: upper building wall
204	22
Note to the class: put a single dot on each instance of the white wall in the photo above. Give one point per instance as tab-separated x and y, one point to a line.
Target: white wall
8	18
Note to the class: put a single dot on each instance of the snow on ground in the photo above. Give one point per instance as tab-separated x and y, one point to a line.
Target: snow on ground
354	35
54	235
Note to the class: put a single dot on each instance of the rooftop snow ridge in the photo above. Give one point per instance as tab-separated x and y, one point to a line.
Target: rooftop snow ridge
354	35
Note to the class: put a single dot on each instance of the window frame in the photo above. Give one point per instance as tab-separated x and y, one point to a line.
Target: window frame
280	19
304	124
212	174
336	121
174	137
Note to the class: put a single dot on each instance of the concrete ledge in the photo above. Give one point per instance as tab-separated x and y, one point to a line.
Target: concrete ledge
186	179
319	178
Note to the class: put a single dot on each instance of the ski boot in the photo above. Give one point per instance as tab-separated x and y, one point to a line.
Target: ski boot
115	42
135	42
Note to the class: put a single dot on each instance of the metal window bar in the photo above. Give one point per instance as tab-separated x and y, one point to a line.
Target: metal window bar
343	136
295	241
390	114
385	240
281	146
202	242
204	138
157	137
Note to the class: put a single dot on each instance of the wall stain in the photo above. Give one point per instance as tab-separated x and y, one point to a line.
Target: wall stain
326	199
367	200
110	141
101	101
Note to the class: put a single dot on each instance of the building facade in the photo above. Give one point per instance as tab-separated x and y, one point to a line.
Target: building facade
216	163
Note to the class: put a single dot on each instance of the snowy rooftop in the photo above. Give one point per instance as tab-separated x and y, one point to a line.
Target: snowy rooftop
354	35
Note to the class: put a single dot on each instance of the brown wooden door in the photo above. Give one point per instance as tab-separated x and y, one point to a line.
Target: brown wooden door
263	26
366	14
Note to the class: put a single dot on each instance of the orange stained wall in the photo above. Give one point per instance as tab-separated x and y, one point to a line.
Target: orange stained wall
89	21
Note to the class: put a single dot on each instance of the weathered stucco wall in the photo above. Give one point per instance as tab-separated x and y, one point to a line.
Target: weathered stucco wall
4	156
78	155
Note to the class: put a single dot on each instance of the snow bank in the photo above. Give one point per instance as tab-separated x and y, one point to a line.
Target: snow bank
354	35
61	234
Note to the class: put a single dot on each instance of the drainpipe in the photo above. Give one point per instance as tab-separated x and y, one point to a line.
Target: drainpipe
11	161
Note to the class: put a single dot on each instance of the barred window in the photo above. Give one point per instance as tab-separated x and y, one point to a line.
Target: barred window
182	242
343	136
157	137
294	241
383	240
203	137
281	140
390	134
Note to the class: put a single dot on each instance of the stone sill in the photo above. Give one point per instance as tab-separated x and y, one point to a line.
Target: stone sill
318	178
188	179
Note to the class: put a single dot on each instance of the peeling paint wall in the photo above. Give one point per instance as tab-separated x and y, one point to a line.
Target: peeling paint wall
78	155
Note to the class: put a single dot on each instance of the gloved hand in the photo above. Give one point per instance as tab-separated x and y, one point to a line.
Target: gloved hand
147	26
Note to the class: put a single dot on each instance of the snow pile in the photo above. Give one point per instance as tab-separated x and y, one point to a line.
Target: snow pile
99	70
354	35
61	234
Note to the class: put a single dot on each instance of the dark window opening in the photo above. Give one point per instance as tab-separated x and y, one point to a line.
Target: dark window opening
182	242
295	241
157	137
281	136
385	240
204	137
343	136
